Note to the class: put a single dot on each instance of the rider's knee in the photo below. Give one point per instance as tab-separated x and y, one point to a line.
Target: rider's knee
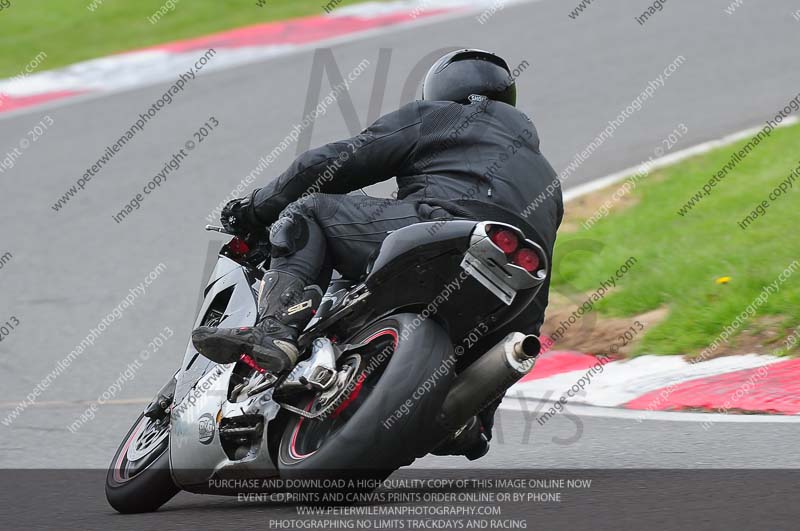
288	234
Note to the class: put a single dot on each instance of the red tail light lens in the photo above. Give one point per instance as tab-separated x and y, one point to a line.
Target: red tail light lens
527	259
506	240
238	247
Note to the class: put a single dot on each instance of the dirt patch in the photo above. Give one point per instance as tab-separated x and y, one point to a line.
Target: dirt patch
760	336
593	333
596	334
609	199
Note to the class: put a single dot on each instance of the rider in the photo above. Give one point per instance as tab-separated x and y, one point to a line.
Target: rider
464	150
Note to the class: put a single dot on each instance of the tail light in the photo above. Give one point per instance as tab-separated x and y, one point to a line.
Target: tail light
527	259
516	252
506	240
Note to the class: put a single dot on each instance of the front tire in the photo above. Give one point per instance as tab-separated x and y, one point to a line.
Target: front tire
139	479
388	419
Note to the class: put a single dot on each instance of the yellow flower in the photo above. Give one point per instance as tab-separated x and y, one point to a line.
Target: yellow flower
723	280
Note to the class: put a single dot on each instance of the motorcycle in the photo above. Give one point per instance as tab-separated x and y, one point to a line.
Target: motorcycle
382	379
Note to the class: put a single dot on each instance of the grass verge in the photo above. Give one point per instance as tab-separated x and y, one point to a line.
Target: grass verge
69	31
683	261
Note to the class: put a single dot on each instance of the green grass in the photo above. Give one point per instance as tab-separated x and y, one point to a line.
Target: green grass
68	32
681	257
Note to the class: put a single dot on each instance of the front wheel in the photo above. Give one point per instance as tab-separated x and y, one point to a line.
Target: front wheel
386	417
139	478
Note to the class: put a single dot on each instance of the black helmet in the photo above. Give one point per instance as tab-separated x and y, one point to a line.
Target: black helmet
460	74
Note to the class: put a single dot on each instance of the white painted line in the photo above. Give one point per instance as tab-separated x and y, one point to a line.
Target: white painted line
666	160
529	406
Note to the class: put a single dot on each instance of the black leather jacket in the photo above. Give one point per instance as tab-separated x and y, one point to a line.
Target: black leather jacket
479	156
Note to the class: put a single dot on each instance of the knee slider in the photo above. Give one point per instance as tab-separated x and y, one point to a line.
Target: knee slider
288	235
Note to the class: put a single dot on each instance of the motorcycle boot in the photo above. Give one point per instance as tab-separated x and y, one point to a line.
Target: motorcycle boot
285	307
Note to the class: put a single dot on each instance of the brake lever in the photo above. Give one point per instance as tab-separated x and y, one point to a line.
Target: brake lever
214	228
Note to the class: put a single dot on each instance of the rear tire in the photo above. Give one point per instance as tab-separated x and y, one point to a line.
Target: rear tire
144	484
378	431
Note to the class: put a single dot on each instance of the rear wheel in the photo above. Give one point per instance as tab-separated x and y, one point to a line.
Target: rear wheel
395	388
139	478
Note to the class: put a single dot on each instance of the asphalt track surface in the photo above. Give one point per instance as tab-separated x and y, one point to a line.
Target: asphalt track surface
70	268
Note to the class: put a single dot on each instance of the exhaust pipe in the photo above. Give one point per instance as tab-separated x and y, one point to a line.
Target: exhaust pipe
488	378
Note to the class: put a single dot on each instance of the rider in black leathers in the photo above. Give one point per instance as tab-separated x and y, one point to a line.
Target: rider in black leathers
464	150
